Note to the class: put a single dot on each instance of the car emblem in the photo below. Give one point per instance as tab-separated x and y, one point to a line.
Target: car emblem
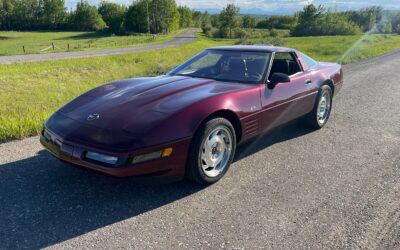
93	116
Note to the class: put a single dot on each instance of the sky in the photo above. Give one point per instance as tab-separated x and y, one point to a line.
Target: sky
268	6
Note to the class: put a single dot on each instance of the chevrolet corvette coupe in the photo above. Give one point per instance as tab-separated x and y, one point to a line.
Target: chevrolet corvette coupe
188	122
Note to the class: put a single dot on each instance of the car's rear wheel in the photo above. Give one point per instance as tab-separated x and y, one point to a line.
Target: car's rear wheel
212	151
320	114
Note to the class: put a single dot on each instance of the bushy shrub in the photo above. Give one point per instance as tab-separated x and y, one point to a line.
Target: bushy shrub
384	27
395	19
87	18
206	29
221	33
243	41
397	29
338	24
273	33
239	33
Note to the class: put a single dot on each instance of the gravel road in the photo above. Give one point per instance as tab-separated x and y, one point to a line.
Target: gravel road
186	37
291	189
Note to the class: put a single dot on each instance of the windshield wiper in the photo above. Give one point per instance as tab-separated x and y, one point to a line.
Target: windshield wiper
196	76
184	75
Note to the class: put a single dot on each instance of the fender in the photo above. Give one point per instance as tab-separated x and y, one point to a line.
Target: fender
186	122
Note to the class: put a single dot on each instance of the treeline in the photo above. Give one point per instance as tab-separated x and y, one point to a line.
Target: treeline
311	21
163	16
147	16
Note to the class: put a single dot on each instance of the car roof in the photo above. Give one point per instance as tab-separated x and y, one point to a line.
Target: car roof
257	48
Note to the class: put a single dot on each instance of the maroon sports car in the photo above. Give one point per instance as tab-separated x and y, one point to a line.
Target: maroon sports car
189	121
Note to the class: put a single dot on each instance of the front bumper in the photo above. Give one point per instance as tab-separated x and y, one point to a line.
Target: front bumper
74	153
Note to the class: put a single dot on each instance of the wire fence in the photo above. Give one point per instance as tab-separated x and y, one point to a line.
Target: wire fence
65	47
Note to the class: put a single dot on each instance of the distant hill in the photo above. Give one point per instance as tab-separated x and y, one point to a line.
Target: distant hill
266	11
252	11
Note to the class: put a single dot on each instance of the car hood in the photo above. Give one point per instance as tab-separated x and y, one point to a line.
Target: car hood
138	105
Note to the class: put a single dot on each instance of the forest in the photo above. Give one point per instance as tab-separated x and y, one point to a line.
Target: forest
164	16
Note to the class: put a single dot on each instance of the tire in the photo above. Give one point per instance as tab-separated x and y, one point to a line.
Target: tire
211	152
321	112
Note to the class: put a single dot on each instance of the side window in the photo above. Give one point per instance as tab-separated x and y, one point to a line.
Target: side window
283	56
309	61
285	62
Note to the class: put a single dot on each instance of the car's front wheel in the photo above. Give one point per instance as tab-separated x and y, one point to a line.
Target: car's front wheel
212	151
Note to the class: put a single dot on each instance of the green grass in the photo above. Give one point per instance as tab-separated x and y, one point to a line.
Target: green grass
345	49
342	49
30	92
12	42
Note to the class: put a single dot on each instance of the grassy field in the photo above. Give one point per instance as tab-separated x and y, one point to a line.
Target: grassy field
30	92
12	42
342	49
345	49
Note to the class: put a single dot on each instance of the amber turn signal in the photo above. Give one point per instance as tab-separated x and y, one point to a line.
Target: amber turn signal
167	152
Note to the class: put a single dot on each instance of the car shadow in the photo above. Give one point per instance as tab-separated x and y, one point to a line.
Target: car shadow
44	201
282	133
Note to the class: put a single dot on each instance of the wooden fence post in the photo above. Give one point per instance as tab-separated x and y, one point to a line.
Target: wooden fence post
23	48
52	44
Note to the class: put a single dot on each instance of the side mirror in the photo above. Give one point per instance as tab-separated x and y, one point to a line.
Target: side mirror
278	78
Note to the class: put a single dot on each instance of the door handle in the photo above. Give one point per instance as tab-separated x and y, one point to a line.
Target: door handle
308	81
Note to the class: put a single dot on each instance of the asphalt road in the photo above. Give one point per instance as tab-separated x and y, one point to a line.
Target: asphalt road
291	189
186	37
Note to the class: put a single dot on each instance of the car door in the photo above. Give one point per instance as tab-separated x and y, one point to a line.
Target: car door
286	101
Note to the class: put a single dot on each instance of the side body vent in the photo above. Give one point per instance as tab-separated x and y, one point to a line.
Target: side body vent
251	126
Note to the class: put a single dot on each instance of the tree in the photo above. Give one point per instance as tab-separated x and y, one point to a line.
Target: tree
338	24
165	16
137	17
25	14
395	19
113	15
185	17
205	19
310	20
86	17
197	18
214	20
385	27
229	19
249	22
6	13
155	16
366	18
311	15
53	12
206	25
397	29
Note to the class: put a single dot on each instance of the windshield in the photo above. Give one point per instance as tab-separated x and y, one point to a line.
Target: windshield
223	65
